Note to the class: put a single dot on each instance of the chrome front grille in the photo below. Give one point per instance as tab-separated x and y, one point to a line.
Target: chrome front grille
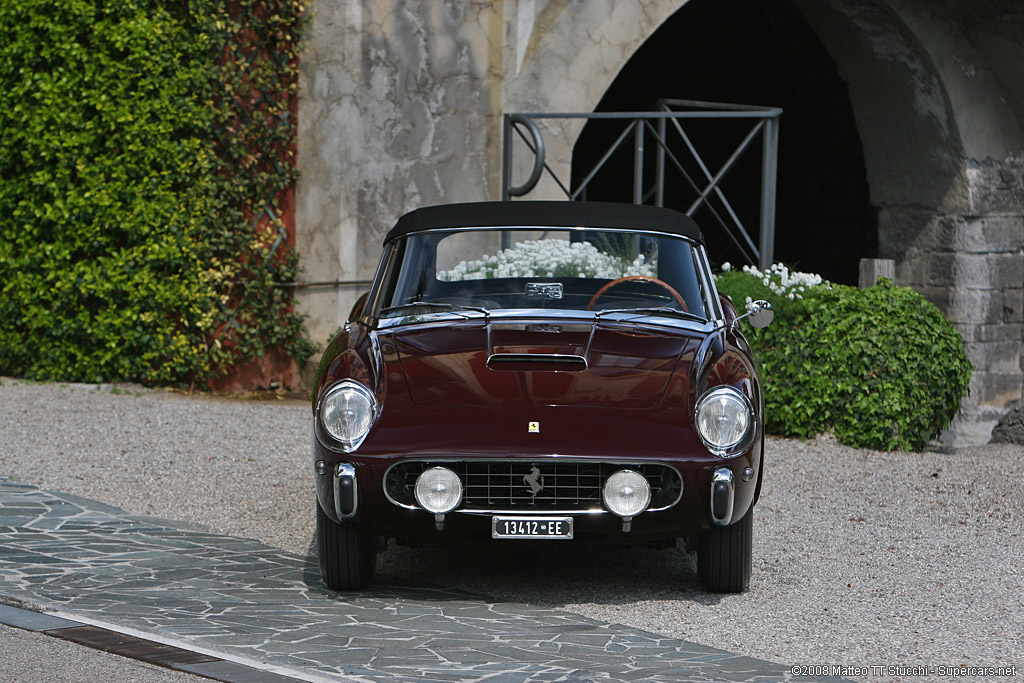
528	485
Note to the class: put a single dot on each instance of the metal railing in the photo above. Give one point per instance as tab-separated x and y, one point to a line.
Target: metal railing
663	125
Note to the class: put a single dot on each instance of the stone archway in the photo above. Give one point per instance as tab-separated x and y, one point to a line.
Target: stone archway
940	120
769	56
896	154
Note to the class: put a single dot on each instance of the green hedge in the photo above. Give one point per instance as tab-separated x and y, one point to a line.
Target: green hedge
881	367
131	187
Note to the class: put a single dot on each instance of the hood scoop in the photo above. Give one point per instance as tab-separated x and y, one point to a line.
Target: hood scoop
539	347
553	362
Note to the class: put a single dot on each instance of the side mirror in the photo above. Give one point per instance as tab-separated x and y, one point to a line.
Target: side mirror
760	313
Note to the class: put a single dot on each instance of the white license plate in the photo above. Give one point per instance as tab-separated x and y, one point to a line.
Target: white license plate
549	528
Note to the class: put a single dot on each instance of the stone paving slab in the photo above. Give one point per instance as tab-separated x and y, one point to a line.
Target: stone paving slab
247	602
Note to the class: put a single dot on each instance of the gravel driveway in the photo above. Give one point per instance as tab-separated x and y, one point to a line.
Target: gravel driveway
861	558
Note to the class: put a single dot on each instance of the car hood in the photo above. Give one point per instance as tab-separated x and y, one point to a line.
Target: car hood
537	362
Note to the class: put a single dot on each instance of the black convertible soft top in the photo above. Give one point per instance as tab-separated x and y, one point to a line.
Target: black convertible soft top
547	214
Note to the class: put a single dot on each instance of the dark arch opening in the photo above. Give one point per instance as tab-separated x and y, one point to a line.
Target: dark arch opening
762	53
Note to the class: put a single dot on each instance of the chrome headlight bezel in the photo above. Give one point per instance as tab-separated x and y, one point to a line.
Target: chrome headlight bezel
347	389
730	399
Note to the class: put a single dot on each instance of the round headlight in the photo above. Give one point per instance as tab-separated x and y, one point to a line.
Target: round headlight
438	490
627	493
347	412
725	421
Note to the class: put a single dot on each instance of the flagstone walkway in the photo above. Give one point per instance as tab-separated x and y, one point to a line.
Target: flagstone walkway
243	604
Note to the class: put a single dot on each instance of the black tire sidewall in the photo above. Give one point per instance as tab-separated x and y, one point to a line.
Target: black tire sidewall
725	556
346	555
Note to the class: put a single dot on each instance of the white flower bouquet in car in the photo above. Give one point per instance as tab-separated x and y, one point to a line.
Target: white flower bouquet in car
550	258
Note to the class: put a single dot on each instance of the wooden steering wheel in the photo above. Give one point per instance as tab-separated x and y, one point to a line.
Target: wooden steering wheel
639	278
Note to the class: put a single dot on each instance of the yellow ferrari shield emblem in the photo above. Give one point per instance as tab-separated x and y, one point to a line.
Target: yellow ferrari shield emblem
534	428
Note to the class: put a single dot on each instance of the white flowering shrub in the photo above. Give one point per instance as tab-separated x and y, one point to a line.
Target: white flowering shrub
880	367
550	258
781	280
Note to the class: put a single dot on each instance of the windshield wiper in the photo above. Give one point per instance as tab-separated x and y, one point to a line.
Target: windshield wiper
453	308
661	310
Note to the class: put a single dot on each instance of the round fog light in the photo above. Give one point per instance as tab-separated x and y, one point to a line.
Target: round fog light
438	490
627	493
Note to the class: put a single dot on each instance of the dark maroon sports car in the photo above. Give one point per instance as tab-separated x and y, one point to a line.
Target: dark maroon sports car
540	371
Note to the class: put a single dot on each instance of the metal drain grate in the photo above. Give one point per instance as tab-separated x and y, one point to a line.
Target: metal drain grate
130	646
136	648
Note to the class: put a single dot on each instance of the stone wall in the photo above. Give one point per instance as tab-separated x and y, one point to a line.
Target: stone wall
401	105
394	107
971	265
975	264
956	229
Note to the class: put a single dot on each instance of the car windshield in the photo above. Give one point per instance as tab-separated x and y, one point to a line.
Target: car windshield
575	269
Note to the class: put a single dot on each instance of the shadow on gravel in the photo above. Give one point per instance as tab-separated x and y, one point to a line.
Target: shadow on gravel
548	575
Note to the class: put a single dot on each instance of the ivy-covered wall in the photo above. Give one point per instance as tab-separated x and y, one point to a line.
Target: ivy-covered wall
145	147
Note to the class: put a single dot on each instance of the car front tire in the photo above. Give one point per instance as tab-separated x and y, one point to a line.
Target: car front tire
347	555
725	556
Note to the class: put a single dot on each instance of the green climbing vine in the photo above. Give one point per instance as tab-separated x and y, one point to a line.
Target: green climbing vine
146	160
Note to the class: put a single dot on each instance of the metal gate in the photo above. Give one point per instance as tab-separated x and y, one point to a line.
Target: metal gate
663	126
